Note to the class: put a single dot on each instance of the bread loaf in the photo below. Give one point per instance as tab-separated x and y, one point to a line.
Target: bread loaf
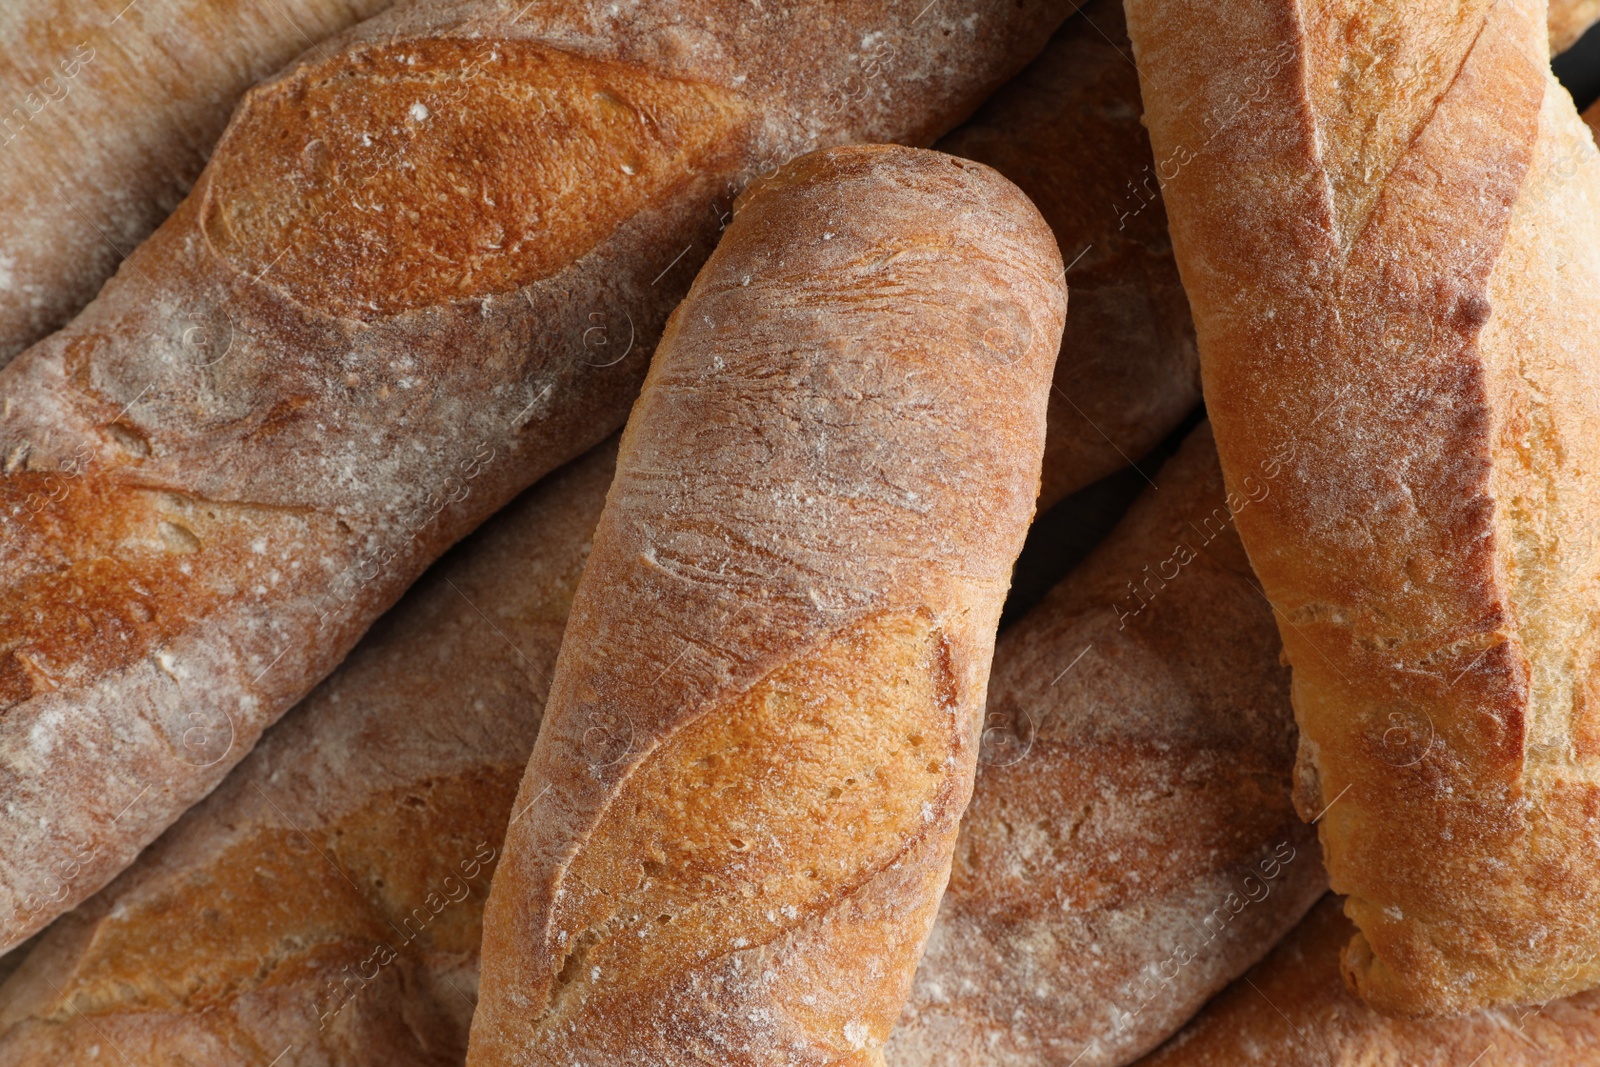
210	842
1131	845
1168	754
418	273
329	895
763	723
1067	131
1398	272
110	110
1293	1009
1569	20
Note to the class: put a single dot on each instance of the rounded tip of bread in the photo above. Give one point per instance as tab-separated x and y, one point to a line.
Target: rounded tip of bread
846	163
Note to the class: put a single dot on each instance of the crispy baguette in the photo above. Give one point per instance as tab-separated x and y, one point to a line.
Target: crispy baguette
1026	124
1189	792
110	110
1067	132
1131	846
1591	116
763	724
1294	1009
416	275
1401	272
1569	20
328	896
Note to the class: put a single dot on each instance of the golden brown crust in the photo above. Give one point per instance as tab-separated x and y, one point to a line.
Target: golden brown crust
794	587
1293	1008
329	894
222	471
1131	845
110	110
1067	131
1399	273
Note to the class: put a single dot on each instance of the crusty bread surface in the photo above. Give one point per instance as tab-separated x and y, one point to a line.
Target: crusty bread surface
763	724
419	271
1294	1010
111	110
1067	131
328	897
1131	845
1398	273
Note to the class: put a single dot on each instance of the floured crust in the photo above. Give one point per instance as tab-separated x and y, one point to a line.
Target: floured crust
112	112
1067	131
228	465
329	895
1400	274
1131	844
1293	1008
803	518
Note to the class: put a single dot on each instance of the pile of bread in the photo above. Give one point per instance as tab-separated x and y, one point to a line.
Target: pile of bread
703	748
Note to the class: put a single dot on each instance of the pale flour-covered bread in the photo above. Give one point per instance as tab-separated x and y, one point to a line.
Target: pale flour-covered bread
1294	1010
1387	217
112	109
763	724
1569	19
420	271
328	896
1067	131
1131	845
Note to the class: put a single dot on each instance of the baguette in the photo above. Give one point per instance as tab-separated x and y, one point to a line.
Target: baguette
762	727
1200	811
1067	132
417	274
328	895
1401	272
1293	1008
1131	846
110	111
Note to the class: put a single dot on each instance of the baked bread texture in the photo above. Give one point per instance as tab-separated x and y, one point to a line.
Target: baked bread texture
113	108
1398	275
1067	132
1131	845
763	723
1293	1008
419	272
1569	20
1019	136
328	896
